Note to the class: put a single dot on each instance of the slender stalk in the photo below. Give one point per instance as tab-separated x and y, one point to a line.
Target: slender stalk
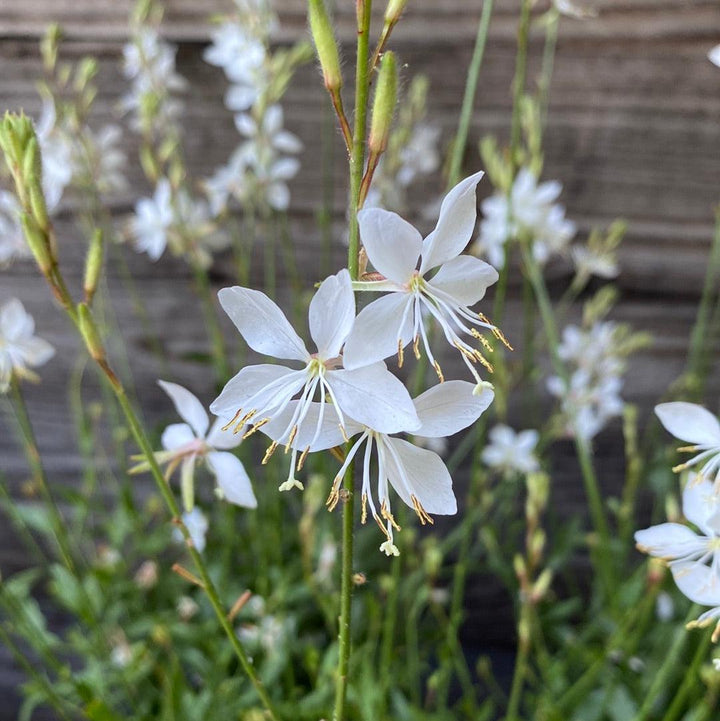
661	679
357	163
469	96
521	666
519	81
59	528
690	681
219	354
581	445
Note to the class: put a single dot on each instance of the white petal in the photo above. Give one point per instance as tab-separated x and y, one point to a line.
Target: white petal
700	502
232	479
374	397
220	439
188	407
698	582
245	125
392	244
714	55
248	385
425	473
331	314
377	328
262	324
35	350
329	435
287	142
449	407
285	168
689	422
15	321
278	196
465	278
240	97
455	224
669	540
176	435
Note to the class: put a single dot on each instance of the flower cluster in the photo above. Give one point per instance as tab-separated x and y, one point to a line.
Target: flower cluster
529	212
259	168
591	395
20	348
511	452
343	389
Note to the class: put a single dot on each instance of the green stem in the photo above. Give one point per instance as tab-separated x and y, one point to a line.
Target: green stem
219	355
690	680
519	82
581	445
661	680
59	529
357	164
521	666
469	96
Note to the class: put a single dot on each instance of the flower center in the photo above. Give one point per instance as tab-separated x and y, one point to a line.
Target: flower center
417	283
316	367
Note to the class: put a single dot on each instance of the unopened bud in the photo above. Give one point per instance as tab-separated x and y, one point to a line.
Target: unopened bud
90	333
394	10
519	566
37	242
541	586
38	207
384	104
93	265
86	70
325	45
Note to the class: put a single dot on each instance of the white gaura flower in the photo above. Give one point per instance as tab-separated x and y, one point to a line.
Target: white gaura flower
420	156
20	348
589	261
368	393
693	424
417	475
511	451
56	154
197	524
395	248
152	220
236	51
186	444
687	552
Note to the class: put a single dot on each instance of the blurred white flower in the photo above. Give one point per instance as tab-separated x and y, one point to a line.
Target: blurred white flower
530	212
664	606
20	348
152	219
420	156
146	576
589	262
56	153
197	524
575	9
186	444
714	55
187	608
510	451
12	241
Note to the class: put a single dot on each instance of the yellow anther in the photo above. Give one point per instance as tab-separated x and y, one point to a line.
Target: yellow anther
385	513
344	434
421	512
334	497
269	452
681	467
293	433
381	525
400	353
303	456
439	372
363	514
416	347
687	449
255	427
232	422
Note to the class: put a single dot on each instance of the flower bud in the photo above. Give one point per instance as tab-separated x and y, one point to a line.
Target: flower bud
93	265
325	45
384	104
90	333
38	207
37	242
394	10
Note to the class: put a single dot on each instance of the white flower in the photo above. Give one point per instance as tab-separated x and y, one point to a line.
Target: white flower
230	180
664	606
510	451
714	55
575	9
589	261
420	156
20	348
153	217
12	241
529	212
106	159
593	350
687	552
368	393
56	154
417	475
394	247
197	524
185	444
693	424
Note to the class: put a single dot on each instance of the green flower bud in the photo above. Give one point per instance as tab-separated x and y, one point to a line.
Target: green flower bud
37	205
325	45
384	104
394	10
37	242
90	332
93	265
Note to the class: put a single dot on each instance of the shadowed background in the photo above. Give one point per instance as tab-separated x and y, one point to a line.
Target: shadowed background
633	132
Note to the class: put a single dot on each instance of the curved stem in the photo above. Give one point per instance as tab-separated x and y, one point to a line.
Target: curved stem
471	82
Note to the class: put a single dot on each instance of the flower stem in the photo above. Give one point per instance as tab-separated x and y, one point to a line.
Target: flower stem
471	82
662	677
519	82
521	665
581	445
357	164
